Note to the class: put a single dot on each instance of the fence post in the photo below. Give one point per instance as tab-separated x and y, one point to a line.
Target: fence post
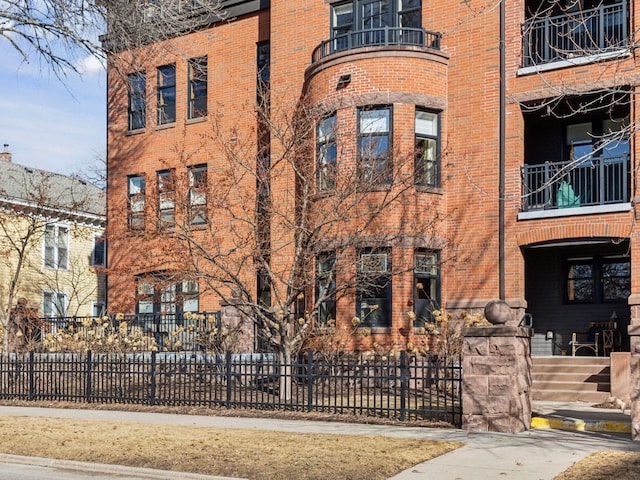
309	380
88	387
31	393
228	376
152	392
404	370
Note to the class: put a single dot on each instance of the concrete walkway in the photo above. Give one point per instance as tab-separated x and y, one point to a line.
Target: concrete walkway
539	454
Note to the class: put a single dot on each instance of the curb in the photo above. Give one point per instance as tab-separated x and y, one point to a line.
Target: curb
576	425
108	469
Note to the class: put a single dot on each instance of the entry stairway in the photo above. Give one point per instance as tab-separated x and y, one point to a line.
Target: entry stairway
571	379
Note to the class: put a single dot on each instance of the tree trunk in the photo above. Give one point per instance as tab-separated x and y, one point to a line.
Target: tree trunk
286	371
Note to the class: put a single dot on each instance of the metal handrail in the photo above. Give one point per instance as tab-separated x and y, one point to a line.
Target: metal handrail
575	34
386	36
597	180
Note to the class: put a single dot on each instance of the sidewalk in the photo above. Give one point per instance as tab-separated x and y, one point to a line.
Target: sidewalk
538	454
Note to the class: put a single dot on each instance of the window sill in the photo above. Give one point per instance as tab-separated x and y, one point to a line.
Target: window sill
165	126
137	131
196	120
429	189
375	329
565	212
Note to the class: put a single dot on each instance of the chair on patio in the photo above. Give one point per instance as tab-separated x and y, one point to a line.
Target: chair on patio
588	340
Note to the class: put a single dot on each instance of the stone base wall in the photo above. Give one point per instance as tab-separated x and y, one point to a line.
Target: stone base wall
496	382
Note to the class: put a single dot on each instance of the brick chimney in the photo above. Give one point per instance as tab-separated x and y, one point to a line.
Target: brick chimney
5	154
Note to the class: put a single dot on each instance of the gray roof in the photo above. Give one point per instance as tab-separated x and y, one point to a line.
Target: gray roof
42	190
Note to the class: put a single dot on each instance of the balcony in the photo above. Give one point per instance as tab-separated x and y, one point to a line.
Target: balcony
377	37
587	32
601	180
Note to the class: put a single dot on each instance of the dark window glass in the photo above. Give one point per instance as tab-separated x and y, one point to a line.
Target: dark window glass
197	87
166	94
166	199
137	104
426	279
326	288
373	296
198	194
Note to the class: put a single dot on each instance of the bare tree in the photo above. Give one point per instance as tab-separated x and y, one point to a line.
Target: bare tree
33	204
59	32
285	253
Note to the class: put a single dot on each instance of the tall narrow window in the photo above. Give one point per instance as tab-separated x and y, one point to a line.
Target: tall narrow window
197	87
427	149
326	288
198	195
99	257
373	295
166	94
137	105
426	282
56	247
374	146
326	153
342	21
136	203
166	199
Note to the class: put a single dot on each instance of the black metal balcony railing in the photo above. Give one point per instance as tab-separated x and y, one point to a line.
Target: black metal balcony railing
575	34
378	37
595	181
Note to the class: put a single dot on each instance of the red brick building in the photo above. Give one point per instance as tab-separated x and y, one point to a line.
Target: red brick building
537	208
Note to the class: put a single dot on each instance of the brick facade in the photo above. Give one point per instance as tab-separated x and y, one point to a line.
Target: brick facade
459	80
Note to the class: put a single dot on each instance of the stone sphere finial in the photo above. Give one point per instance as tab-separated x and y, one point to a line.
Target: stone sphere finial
498	312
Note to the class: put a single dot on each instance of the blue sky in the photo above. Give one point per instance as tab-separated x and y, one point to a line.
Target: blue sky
52	124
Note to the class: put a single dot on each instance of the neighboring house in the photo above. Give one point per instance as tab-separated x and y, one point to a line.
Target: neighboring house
563	248
52	243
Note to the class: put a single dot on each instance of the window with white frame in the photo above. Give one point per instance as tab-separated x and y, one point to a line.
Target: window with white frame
99	254
98	309
198	194
54	304
427	149
373	293
56	247
374	145
326	153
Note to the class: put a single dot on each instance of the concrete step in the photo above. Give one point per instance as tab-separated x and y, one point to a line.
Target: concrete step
571	377
557	360
569	396
577	369
573	386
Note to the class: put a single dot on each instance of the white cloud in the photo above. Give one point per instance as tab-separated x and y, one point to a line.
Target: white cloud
90	65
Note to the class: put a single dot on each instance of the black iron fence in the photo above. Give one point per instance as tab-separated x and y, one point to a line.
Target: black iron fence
600	180
402	388
575	34
377	37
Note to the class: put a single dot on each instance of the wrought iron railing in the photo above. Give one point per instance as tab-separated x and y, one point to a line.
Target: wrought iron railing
401	388
377	37
575	34
594	181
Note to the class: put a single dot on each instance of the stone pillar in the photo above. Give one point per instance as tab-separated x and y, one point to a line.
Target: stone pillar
496	379
634	340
